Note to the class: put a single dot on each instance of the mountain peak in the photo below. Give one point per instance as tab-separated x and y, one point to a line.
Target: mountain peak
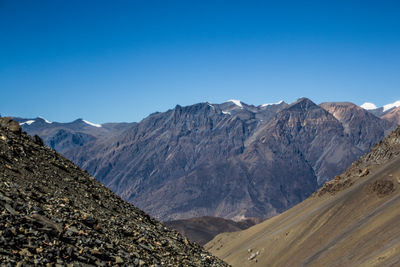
46	121
236	102
92	124
392	105
368	106
80	120
302	104
270	104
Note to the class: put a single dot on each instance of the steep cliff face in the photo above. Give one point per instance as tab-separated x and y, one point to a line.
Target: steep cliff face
53	213
228	160
363	128
186	157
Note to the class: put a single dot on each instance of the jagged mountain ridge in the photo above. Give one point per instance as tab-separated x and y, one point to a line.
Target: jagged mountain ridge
228	160
53	213
350	221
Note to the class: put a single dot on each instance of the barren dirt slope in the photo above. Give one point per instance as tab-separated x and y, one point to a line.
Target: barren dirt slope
352	220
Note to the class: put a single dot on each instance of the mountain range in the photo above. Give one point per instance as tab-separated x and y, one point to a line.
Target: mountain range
352	220
229	160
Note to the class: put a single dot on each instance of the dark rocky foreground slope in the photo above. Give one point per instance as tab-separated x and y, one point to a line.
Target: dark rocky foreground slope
54	213
352	220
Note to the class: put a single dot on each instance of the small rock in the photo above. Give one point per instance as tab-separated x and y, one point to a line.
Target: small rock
252	256
48	224
38	140
10	209
364	172
118	260
14	126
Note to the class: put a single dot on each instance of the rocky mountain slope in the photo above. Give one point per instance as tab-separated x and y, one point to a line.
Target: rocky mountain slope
229	160
393	116
350	221
53	213
201	230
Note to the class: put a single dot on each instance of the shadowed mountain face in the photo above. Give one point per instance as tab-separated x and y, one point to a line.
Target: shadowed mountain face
350	221
53	213
228	160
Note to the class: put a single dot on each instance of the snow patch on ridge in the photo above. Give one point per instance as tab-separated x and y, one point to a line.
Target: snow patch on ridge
46	121
390	106
236	102
29	122
92	124
226	112
270	104
368	106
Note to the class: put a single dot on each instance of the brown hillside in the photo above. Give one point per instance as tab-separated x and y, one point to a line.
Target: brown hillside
351	221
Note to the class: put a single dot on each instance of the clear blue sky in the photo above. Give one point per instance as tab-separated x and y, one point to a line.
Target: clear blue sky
122	60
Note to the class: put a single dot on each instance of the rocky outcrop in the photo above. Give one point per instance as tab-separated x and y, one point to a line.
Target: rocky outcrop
53	213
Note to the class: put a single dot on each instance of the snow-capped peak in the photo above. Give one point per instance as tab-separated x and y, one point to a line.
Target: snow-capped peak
45	120
92	124
390	106
236	102
368	106
28	122
269	104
